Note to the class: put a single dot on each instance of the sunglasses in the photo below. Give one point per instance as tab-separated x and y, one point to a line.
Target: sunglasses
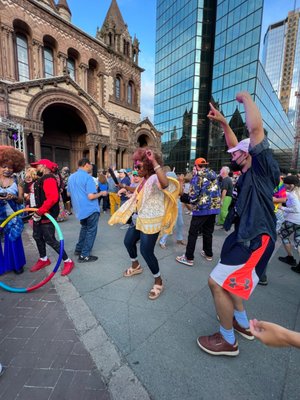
138	167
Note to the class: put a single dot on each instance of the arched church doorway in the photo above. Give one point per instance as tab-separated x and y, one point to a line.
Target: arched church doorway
143	140
64	139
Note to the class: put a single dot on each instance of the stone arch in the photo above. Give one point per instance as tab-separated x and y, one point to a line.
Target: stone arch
49	97
145	137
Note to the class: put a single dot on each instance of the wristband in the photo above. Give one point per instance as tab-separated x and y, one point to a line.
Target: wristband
157	167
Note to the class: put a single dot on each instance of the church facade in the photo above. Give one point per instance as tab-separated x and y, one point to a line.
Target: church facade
74	95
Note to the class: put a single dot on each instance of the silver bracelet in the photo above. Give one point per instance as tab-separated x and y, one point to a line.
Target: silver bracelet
157	167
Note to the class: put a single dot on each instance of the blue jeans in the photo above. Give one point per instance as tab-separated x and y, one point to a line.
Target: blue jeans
178	226
146	247
87	234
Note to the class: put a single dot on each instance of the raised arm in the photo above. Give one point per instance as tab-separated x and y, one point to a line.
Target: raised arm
163	180
253	118
215	115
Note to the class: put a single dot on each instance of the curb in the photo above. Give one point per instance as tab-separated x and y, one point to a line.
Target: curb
120	379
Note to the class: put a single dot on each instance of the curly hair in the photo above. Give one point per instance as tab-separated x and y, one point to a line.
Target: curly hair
12	157
140	155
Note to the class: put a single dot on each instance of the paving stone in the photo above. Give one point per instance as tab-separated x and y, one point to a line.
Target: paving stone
34	393
30	322
46	378
61	389
25	360
79	362
12	382
21	332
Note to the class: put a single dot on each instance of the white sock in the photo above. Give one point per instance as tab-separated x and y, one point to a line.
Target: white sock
44	258
67	260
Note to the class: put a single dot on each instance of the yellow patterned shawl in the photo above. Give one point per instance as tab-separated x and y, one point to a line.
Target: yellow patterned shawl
156	207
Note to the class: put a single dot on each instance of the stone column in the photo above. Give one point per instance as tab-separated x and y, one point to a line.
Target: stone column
37	144
112	156
83	76
8	62
121	158
92	153
100	88
3	138
38	62
62	63
100	156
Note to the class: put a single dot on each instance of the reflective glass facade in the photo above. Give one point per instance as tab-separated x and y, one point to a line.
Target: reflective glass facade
281	60
227	32
237	68
273	53
184	37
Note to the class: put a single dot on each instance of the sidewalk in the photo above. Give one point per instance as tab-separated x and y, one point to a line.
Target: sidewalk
143	349
39	346
157	339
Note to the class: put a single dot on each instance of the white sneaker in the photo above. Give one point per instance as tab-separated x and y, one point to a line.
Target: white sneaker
125	226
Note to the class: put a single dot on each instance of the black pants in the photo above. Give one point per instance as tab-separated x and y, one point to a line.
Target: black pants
206	225
105	202
45	234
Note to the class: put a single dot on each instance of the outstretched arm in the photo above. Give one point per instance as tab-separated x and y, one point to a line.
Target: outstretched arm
215	115
253	118
273	334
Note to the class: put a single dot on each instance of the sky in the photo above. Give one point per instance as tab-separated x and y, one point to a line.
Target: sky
139	15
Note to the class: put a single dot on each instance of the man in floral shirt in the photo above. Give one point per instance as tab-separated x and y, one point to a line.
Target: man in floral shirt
204	196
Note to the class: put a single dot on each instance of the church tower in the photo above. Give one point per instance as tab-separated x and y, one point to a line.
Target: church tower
64	10
115	34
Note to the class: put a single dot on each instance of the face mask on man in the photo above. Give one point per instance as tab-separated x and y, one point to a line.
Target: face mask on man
235	165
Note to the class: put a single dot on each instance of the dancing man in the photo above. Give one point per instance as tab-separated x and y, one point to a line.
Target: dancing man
46	195
204	195
246	251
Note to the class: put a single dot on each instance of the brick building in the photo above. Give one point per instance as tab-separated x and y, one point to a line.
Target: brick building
74	95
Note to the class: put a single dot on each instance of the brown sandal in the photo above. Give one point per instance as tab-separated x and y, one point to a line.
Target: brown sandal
156	291
133	271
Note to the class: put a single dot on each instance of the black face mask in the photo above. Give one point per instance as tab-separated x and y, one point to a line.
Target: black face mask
39	173
234	166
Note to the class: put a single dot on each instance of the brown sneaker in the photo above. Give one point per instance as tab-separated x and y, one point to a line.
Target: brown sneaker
245	332
217	345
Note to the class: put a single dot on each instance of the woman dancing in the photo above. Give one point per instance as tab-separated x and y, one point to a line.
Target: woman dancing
153	207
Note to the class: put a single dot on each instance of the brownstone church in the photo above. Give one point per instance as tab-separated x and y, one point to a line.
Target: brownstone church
74	95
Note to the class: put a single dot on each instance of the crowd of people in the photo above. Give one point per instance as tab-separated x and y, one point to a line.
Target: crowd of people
249	198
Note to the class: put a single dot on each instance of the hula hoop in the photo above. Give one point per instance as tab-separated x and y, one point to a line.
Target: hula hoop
61	250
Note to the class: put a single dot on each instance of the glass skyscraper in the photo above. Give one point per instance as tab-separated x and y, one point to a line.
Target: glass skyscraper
184	56
217	56
281	60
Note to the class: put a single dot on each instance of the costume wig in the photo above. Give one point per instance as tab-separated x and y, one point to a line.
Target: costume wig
12	157
140	155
